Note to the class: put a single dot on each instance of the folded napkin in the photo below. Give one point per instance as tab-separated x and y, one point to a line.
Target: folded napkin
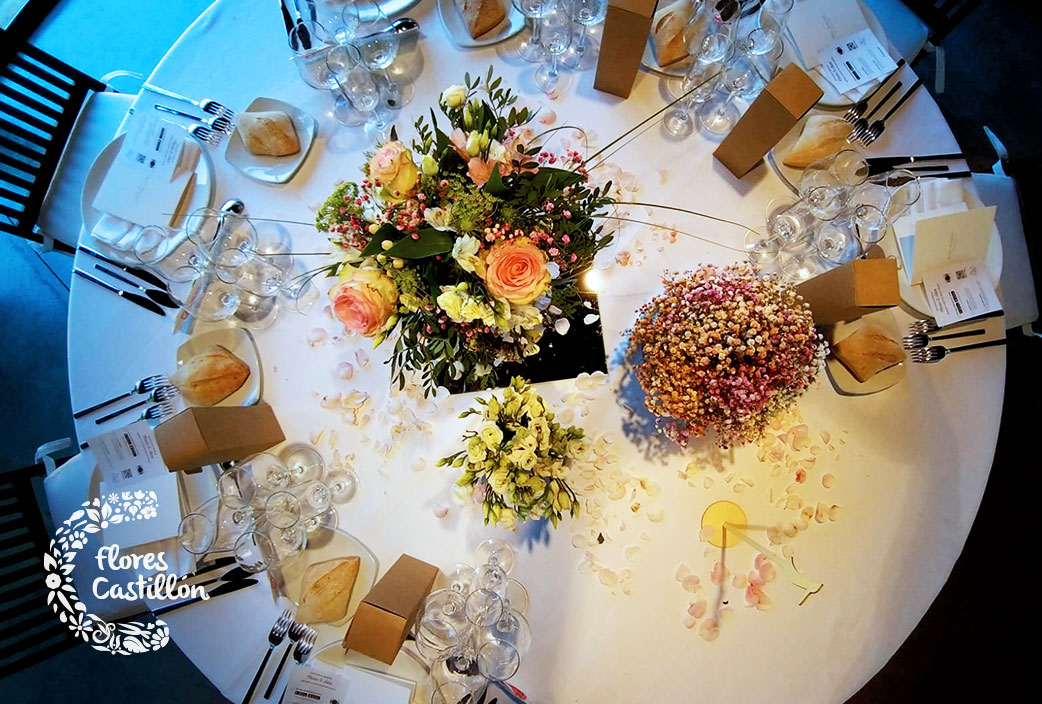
115	232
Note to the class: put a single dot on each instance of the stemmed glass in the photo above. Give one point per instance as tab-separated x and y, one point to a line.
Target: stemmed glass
555	36
530	47
497	553
378	46
442	624
340	18
700	82
498	660
343	486
871	224
719	114
585	14
304	463
905	190
359	97
774	14
267	470
310	42
761	51
837	241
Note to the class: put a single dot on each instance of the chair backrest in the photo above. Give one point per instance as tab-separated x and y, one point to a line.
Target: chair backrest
942	16
29	629
40	98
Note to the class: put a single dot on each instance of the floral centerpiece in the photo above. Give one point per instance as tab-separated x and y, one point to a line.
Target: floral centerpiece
723	348
468	242
519	458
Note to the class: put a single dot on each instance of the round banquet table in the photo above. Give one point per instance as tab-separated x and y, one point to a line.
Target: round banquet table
910	464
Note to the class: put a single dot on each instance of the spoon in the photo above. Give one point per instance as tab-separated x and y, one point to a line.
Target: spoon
161	297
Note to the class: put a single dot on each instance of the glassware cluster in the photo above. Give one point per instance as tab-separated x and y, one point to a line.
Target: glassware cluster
348	50
559	37
267	506
733	56
474	631
838	213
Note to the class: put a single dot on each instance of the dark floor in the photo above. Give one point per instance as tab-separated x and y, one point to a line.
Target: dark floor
967	645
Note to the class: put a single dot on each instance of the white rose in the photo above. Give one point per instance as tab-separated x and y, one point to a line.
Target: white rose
491	435
454	96
439	218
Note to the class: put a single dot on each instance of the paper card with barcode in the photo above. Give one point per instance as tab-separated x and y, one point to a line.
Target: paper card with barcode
317	684
959	292
128	456
855	60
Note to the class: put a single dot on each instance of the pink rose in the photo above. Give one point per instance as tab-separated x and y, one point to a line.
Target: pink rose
364	300
393	167
515	271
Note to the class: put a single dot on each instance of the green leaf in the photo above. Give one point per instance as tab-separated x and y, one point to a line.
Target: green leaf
386	232
430	242
495	184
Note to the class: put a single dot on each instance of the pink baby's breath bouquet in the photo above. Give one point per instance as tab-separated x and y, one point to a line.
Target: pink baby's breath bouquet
724	349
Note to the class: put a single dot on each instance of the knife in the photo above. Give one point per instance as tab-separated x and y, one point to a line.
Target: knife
215	565
132	297
217	592
879	164
235	574
146	276
161	297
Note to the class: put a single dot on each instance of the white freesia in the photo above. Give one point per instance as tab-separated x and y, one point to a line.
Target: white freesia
439	218
454	96
465	251
429	165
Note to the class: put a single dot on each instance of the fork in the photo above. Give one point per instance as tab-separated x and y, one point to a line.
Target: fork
305	646
275	638
929	355
206	135
219	123
861	124
207	105
929	325
147	384
877	128
918	340
858	109
162	393
297	631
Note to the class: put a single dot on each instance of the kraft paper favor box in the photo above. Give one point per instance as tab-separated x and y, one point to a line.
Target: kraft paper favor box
386	614
772	114
852	290
199	436
624	36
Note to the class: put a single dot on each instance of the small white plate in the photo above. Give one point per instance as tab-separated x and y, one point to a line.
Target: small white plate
457	30
331	545
239	342
841	378
272	169
201	196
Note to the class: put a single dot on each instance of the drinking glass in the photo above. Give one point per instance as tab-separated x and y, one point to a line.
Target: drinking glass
459	665
905	190
359	97
257	311
310	43
496	552
871	224
282	509
150	245
719	114
483	607
339	17
585	14
378	47
511	628
267	470
789	220
774	14
698	85
255	552
462	579
761	248
529	46
799	264
762	50
490	576
442	623
343	486
498	660
825	202
837	241
305	463
870	193
197	533
202	295
556	35
450	693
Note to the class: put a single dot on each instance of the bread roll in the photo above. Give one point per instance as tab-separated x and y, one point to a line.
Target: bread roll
211	376
268	133
327	590
868	352
481	15
822	136
667	34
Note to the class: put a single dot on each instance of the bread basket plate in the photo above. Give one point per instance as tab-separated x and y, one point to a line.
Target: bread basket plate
200	195
457	30
272	169
331	544
407	667
239	342
842	380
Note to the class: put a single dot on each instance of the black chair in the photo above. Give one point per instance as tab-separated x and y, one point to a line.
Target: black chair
40	98
29	629
941	16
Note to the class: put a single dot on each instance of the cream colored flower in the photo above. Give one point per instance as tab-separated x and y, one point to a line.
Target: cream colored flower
474	143
496	151
465	251
429	165
474	309
579	448
451	301
454	96
476	451
524	317
491	435
439	218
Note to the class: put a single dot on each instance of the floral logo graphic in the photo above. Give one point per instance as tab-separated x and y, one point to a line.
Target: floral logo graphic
70	538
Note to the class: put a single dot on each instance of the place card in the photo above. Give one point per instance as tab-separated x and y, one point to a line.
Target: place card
953	238
318	684
960	292
816	24
151	174
854	61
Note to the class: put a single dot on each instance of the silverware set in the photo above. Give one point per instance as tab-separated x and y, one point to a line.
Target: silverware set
275	637
231	581
925	333
160	392
866	132
855	111
304	638
211	130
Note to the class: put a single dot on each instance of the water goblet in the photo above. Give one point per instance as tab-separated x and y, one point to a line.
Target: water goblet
339	17
462	579
837	241
483	607
459	664
378	46
490	576
310	42
442	623
150	245
496	552
359	97
529	46
203	296
905	190
719	114
585	14
515	596
343	486
498	660
282	509
870	223
304	463
255	552
556	35
267	470
197	533
450	693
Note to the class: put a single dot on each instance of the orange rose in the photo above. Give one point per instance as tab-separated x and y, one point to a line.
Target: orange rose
364	300
515	271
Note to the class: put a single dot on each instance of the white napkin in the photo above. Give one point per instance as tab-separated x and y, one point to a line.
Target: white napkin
115	232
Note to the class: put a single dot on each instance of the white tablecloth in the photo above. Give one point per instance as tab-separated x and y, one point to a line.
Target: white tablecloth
910	475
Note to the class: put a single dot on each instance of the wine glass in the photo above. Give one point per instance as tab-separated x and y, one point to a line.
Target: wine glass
282	509
203	296
585	14
255	552
483	607
150	245
359	97
462	578
761	51
498	660
305	463
496	552
459	665
197	533
719	114
530	47
837	241
774	14
310	42
339	17
378	45
870	223
267	471
298	289
442	623
905	190
343	486
789	220
761	248
490	576
515	596
556	35
512	628
450	693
